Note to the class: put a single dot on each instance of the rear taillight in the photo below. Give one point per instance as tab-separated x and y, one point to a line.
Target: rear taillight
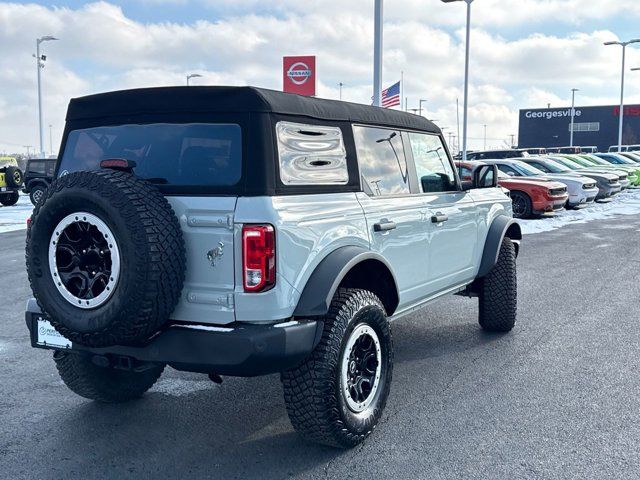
258	257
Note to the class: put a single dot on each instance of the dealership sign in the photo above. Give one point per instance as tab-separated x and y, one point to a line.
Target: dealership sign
299	75
550	114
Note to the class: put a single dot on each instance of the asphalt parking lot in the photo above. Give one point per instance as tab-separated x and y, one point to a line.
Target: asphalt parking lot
559	397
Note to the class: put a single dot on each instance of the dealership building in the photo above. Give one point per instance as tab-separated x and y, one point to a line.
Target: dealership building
593	126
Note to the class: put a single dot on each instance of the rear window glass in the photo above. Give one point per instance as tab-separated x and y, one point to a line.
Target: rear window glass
166	154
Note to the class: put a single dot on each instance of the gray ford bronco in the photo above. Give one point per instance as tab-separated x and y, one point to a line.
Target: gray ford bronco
242	231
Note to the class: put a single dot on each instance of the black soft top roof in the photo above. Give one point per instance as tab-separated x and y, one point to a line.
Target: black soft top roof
181	100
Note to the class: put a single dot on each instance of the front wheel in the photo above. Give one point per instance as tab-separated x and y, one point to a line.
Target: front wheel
521	204
9	199
499	293
36	194
104	384
338	394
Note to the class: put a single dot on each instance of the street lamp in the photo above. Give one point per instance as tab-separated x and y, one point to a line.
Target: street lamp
192	75
466	77
377	54
624	52
573	113
40	59
51	138
420	105
340	85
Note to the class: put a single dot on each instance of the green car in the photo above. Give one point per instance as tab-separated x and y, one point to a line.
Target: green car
619	161
587	161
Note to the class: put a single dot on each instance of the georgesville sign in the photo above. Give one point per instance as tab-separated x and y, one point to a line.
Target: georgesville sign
549	127
299	75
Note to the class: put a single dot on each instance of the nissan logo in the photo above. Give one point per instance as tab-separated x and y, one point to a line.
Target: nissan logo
299	73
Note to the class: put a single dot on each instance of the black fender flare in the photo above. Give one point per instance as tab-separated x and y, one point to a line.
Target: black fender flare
38	182
325	279
502	226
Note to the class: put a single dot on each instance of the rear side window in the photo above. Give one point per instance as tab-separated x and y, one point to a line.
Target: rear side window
166	154
382	162
311	154
42	168
433	168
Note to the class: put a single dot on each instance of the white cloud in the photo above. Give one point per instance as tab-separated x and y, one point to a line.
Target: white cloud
103	49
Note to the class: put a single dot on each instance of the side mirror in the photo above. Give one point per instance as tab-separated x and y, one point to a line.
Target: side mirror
485	176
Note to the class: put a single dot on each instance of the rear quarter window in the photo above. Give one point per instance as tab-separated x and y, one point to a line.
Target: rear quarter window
166	154
311	154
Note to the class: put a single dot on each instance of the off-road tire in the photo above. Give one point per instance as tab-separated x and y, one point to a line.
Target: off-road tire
315	402
498	293
13	177
9	199
37	191
103	384
151	247
527	211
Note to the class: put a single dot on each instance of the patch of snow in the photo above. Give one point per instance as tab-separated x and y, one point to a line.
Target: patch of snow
15	217
205	327
177	387
625	203
286	324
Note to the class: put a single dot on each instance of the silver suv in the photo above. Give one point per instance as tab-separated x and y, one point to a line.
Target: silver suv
242	231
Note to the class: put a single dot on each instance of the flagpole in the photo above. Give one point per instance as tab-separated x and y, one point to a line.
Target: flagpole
458	115
401	87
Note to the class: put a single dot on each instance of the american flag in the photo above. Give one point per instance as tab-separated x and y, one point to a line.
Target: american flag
391	96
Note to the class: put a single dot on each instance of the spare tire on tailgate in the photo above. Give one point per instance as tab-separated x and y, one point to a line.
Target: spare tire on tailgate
105	258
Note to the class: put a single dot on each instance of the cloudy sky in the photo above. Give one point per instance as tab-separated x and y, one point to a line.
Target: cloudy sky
525	53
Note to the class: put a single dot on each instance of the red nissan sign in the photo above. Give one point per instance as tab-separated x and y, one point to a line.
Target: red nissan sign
299	75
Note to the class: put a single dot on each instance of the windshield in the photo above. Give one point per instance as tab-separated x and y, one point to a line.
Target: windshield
580	161
168	154
555	167
597	160
568	163
621	160
527	170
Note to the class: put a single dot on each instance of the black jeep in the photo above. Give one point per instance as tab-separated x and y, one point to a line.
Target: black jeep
38	176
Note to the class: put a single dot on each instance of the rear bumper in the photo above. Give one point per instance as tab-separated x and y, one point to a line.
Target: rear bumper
239	349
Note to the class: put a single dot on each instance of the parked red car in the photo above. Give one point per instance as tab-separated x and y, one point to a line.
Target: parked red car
529	197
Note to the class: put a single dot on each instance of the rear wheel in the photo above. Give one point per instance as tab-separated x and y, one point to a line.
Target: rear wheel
499	292
338	394
104	384
522	206
9	199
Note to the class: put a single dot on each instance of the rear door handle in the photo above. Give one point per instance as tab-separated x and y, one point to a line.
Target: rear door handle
384	226
439	218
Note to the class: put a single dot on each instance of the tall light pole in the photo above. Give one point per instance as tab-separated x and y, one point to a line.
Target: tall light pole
40	59
485	137
51	139
573	113
624	53
377	54
340	85
192	75
466	77
420	105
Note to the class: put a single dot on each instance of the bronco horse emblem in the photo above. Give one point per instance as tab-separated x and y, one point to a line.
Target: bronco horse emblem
215	253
